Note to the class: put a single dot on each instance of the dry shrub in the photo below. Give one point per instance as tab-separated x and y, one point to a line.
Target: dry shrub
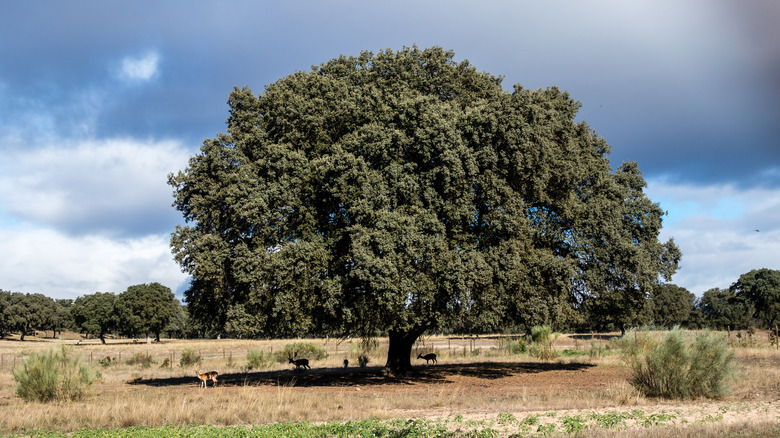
623	394
143	359
189	357
542	343
53	376
680	368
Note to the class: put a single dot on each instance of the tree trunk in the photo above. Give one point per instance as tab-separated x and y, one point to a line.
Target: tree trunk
102	338
400	351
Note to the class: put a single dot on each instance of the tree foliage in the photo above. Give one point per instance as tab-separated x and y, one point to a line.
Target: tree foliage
672	305
25	313
146	309
401	191
723	309
95	314
761	287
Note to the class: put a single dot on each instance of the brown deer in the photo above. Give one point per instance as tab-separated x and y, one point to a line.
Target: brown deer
428	357
211	375
299	362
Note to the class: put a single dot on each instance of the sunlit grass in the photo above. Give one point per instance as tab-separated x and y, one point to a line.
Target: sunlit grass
116	403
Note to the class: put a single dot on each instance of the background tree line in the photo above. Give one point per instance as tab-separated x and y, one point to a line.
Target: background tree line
753	300
142	310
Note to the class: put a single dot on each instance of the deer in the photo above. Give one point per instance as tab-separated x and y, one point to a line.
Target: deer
211	375
428	357
299	363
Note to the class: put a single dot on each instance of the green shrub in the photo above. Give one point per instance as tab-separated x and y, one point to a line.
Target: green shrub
189	357
542	343
258	359
54	376
679	368
518	347
143	359
363	360
301	350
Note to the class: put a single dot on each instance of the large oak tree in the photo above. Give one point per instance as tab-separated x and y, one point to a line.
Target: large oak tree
401	191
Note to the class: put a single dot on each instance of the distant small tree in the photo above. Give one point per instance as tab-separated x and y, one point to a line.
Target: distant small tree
672	305
146	308
27	312
95	314
761	287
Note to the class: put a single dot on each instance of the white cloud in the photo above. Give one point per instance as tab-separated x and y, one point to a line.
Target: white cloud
142	68
42	260
113	186
716	229
81	217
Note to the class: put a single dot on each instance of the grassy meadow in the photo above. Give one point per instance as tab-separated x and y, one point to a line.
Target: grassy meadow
480	387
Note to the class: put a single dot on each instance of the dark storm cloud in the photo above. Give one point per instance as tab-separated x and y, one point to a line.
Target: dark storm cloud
668	85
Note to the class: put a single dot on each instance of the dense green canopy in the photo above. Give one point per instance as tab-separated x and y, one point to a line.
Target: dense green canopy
401	191
95	314
145	308
761	287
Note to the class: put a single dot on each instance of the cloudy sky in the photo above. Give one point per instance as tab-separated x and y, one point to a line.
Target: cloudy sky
100	100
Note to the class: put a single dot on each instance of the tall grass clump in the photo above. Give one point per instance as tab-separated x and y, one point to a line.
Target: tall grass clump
679	367
542	343
143	359
54	376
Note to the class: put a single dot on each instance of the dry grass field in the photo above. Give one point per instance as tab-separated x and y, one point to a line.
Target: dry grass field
476	380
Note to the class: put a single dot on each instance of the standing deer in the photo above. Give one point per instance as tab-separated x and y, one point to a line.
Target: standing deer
428	357
211	375
299	362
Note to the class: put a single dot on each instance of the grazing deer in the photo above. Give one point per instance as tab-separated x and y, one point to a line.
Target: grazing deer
428	357
299	362
211	375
